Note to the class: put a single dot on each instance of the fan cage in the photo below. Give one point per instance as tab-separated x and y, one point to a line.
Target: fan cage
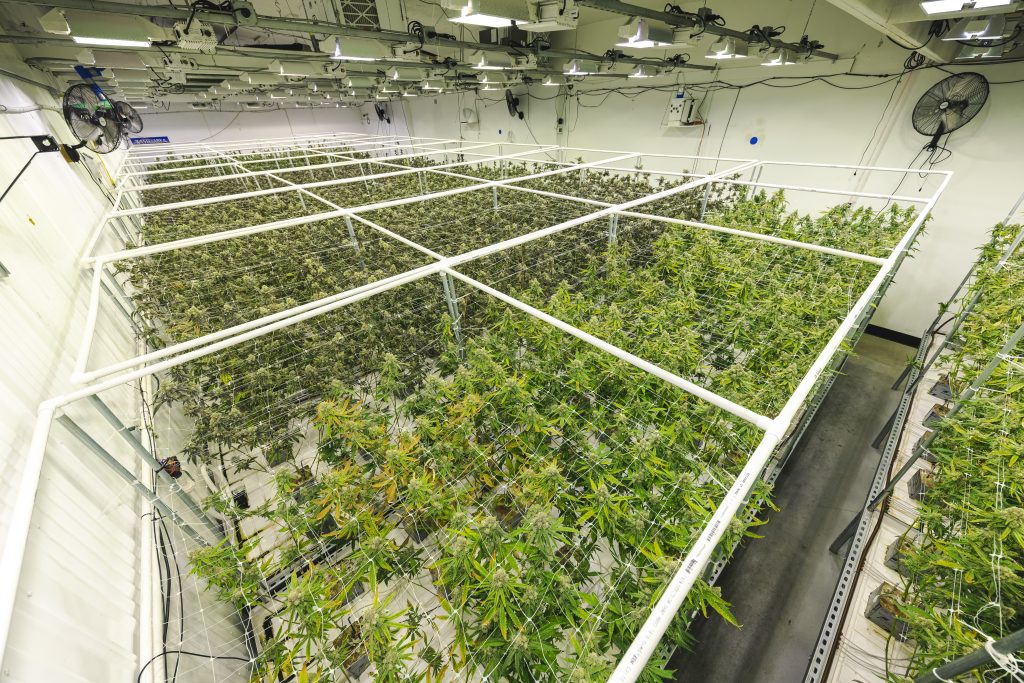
436	274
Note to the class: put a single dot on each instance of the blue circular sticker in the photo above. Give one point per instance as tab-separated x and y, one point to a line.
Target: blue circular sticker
753	140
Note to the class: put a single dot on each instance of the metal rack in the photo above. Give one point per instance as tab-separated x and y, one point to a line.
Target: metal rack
906	440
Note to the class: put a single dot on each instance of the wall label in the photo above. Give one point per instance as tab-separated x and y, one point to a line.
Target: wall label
150	141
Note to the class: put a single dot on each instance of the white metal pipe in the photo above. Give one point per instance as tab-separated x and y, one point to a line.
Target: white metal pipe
854	167
675	380
665	610
196	152
826	190
406	170
174	349
291	222
444	262
639	652
90	318
294	169
761	237
185	166
713	228
100	262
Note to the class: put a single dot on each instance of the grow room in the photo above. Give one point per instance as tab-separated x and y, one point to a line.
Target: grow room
511	341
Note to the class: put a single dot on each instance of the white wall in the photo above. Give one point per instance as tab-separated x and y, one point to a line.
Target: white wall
85	586
813	122
216	126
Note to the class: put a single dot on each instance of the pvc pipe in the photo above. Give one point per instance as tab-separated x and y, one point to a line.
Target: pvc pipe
299	313
101	261
155	354
639	652
715	228
185	166
675	380
291	222
276	190
308	167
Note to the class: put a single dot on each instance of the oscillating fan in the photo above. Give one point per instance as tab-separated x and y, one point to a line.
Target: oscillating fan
512	102
382	112
92	118
949	104
131	122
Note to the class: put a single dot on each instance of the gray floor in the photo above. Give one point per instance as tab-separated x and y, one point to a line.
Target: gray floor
780	585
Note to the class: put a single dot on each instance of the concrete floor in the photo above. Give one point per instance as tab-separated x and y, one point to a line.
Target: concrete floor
780	585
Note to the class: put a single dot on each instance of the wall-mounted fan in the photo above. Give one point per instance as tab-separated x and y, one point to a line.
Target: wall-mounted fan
382	112
131	122
92	118
513	105
949	104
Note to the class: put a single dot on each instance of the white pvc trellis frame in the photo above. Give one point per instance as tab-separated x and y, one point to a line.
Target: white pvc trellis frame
775	427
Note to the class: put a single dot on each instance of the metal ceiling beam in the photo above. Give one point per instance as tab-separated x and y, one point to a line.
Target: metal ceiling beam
307	27
685	21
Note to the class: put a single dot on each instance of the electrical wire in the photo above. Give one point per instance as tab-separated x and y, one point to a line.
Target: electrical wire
138	679
20	173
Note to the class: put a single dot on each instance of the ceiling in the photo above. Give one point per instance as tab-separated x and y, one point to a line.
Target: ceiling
269	53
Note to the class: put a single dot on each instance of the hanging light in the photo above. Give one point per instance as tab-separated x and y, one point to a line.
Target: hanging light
778	57
643	71
553	80
490	13
581	67
978	28
637	33
980	52
726	47
432	85
354	52
490	64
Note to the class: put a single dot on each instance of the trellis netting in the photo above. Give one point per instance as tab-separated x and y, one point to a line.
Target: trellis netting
421	409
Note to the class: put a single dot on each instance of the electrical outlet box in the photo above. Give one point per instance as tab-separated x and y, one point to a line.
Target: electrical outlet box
560	125
675	113
679	112
199	38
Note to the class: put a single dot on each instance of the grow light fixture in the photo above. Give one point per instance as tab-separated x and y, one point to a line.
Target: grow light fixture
727	48
778	57
553	80
359	82
104	30
409	92
947	6
354	52
581	67
397	74
490	13
643	71
260	79
490	87
432	85
110	42
301	69
490	64
637	33
978	28
980	52
491	79
551	15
